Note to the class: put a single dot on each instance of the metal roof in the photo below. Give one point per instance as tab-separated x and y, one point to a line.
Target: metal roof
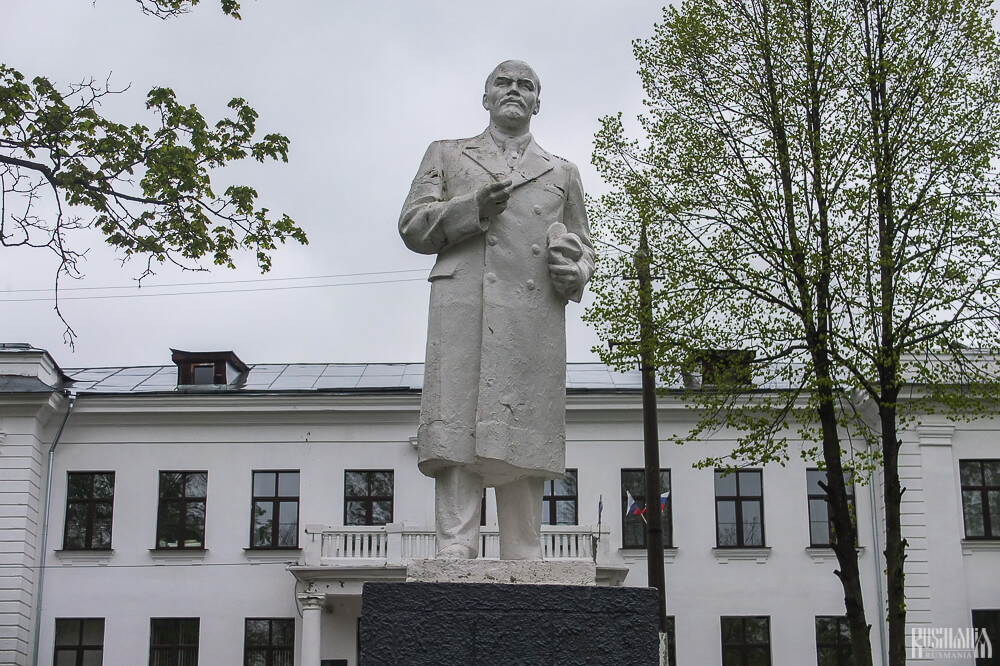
320	377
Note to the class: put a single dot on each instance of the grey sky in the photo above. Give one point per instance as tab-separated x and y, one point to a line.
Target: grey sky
361	88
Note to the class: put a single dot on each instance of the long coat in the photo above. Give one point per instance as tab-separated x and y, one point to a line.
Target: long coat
494	395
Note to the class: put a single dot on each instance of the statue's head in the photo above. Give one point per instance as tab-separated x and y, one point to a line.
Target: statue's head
511	95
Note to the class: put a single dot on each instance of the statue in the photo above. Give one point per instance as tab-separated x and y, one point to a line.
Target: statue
508	223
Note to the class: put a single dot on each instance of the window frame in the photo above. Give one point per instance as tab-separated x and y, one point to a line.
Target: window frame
991	523
738	500
79	648
90	502
667	519
744	646
270	649
840	646
369	499
276	500
169	654
811	496
183	500
551	500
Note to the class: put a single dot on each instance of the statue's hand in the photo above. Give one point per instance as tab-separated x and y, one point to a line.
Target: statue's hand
492	198
565	251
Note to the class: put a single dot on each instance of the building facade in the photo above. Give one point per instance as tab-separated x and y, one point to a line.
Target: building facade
211	512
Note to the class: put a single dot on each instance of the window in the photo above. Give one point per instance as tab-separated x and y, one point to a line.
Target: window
987	621
180	519
173	641
90	498
981	498
671	641
559	501
205	373
833	641
634	527
739	509
821	531
79	642
746	641
275	520
269	642
368	497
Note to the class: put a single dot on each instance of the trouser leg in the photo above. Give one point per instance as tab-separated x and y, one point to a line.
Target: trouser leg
519	514
458	495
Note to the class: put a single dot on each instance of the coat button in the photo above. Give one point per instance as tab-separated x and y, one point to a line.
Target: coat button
535	250
491	277
538	210
491	239
531	285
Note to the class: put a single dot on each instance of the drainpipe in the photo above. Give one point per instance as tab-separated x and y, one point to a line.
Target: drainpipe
71	395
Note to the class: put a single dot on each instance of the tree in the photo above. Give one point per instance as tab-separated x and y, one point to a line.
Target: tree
165	9
815	184
147	190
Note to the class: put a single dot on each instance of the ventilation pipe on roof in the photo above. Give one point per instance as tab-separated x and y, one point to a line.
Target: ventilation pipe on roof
71	395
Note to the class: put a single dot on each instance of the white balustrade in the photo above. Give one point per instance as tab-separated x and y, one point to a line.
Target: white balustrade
361	543
567	543
399	544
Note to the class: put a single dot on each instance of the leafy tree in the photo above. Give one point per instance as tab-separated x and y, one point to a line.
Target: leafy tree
814	181
148	190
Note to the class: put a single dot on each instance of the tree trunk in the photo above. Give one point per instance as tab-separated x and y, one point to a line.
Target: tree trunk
846	532
844	526
895	544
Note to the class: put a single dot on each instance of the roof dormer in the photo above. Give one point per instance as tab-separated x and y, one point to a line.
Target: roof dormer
216	369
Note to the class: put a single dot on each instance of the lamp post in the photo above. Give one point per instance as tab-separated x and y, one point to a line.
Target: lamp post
650	429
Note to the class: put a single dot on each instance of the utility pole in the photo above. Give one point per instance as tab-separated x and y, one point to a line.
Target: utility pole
650	429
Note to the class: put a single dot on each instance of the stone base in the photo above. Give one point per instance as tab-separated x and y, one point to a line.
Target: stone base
430	624
502	571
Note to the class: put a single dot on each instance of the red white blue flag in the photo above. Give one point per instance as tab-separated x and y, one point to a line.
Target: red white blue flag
633	508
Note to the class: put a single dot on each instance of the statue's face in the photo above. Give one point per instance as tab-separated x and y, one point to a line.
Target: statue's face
511	95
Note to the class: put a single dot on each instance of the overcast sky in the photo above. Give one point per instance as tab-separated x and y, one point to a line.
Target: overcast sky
361	88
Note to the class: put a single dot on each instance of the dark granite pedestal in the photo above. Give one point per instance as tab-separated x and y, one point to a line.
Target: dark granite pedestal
477	624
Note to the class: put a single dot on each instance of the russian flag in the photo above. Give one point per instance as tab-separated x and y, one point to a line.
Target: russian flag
633	508
663	500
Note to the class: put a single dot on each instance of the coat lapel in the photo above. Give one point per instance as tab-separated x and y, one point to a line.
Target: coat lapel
481	150
484	152
536	163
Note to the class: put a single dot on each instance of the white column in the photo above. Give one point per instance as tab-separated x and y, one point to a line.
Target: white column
312	614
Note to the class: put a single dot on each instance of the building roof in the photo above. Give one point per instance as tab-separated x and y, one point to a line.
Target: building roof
333	377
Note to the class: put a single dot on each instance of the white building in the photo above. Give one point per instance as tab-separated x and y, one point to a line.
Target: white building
234	518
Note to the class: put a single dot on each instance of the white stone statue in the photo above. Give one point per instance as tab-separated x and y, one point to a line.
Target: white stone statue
508	223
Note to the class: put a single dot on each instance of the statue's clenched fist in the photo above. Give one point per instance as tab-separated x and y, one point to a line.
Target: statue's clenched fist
492	198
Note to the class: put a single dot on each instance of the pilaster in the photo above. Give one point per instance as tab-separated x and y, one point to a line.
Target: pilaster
944	531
